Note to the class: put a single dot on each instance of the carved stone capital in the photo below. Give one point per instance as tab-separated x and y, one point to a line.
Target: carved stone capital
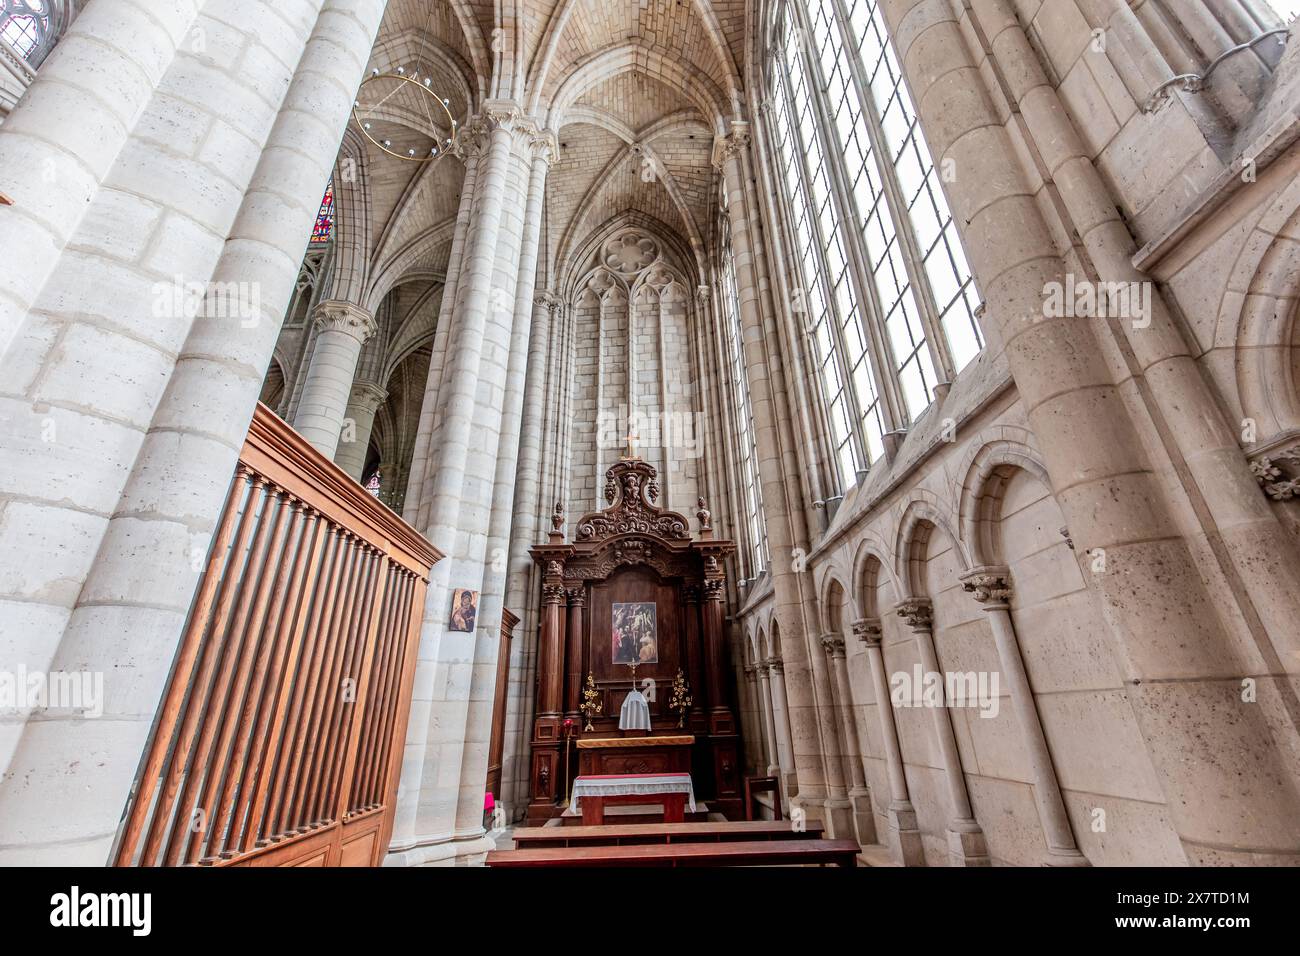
774	665
833	645
334	315
1277	469
868	631
725	147
990	585
918	613
545	145
367	396
751	671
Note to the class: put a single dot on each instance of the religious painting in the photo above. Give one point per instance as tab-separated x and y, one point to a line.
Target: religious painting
464	609
635	633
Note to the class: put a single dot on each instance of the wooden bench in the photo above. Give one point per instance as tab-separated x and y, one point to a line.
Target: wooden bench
653	833
745	853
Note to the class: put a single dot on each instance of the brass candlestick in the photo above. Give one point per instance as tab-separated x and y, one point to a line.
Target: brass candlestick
681	699
590	706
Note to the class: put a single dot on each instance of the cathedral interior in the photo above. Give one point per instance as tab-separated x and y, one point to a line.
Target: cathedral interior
877	419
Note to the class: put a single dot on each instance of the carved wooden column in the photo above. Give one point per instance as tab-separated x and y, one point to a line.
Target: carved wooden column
546	726
720	718
991	587
966	845
902	815
696	720
573	653
859	793
551	666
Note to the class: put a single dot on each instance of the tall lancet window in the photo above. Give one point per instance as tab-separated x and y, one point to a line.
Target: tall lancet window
323	231
869	224
751	492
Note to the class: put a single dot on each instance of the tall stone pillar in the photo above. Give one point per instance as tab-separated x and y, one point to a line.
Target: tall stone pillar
341	329
902	816
364	400
521	230
991	587
1132	497
71	125
966	845
859	793
784	529
138	591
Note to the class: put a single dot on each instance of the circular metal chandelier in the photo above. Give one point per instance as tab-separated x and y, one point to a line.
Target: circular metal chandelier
388	103
401	114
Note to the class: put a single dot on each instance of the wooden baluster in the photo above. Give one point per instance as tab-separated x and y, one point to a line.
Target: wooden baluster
197	700
260	643
301	781
322	601
392	767
337	792
169	711
334	755
290	636
297	552
211	754
382	678
407	624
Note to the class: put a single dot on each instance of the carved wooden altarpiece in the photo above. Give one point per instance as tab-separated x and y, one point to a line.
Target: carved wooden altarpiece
634	552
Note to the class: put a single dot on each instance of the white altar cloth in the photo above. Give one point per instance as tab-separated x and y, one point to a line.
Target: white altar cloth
619	784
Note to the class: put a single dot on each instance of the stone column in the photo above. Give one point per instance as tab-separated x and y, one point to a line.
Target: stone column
765	377
71	125
341	329
790	782
141	584
765	714
965	838
991	587
859	793
364	401
902	816
573	652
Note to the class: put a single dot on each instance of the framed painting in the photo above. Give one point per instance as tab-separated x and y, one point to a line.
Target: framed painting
464	610
634	633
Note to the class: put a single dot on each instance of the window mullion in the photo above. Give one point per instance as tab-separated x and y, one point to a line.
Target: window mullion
832	305
879	350
824	471
913	260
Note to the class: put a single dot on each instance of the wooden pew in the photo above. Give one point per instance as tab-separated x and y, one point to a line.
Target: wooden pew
745	853
652	833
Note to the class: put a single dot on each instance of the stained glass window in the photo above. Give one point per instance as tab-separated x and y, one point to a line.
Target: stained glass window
24	24
324	228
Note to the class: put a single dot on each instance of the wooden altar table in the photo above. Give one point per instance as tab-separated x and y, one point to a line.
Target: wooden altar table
593	792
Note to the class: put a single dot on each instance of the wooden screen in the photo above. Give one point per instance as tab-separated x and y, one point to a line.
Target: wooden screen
278	739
